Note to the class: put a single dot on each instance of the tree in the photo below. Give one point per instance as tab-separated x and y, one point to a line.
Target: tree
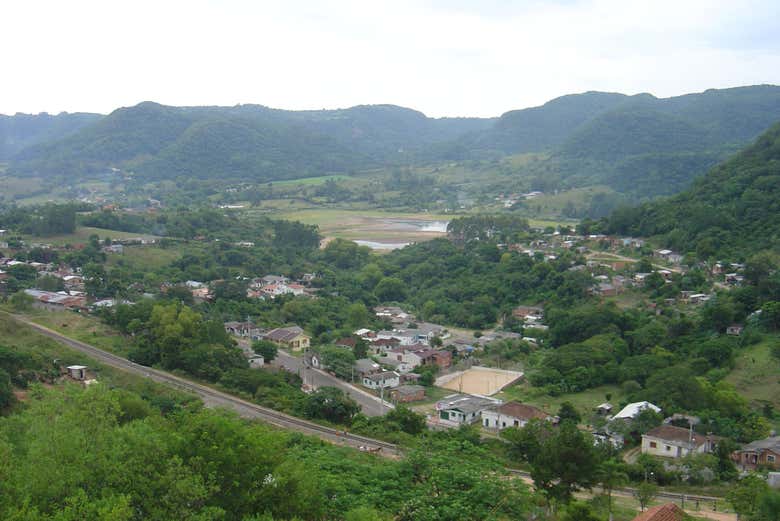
565	462
645	493
21	301
610	475
768	506
339	360
567	412
390	289
407	420
266	348
331	404
579	511
6	390
744	496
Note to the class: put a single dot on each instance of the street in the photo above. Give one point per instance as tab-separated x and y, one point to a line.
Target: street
368	403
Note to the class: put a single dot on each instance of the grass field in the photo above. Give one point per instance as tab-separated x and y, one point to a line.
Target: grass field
25	340
83	327
756	373
311	181
82	234
145	258
584	401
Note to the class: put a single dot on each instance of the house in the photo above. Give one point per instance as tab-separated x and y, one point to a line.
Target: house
735	329
255	361
604	409
382	345
632	410
56	301
407	393
521	312
605	289
244	329
512	414
676	442
312	359
274	279
349	342
463	408
395	365
668	512
366	366
759	453
382	380
290	337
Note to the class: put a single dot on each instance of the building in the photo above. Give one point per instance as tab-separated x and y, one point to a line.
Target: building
365	367
668	512
604	409
675	442
512	414
77	372
244	329
56	301
735	329
395	365
290	337
255	361
382	380
632	410
464	408
759	453
407	393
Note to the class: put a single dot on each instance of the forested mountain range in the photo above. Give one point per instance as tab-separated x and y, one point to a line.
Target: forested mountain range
23	130
732	211
641	145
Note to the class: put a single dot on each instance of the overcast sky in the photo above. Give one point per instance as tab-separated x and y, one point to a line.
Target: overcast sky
443	57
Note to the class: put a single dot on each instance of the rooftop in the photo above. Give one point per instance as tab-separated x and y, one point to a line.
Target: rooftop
668	512
522	411
632	410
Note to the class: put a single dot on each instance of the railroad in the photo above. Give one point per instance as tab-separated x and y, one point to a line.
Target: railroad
214	398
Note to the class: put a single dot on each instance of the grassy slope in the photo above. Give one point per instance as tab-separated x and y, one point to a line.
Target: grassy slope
756	374
83	233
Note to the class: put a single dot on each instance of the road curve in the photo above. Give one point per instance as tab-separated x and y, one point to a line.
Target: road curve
213	398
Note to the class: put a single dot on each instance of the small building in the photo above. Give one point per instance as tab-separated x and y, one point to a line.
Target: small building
407	393
382	380
77	372
604	409
255	361
735	329
290	337
365	367
395	365
512	414
759	453
464	408
632	410
675	442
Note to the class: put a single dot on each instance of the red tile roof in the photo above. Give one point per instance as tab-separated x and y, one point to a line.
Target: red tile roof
668	512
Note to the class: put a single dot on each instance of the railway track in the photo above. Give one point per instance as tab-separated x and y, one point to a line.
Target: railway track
215	398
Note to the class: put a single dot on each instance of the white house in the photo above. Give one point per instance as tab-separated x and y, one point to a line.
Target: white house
632	410
512	414
395	364
385	379
675	442
256	360
464	408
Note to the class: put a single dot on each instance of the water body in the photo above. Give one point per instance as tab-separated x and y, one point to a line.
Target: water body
374	245
415	225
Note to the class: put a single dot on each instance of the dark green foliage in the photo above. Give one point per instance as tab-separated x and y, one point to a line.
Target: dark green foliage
744	189
330	403
23	130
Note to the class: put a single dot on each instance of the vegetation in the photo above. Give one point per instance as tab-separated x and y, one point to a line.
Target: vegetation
745	192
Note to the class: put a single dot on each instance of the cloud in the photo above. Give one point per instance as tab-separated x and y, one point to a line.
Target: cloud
439	56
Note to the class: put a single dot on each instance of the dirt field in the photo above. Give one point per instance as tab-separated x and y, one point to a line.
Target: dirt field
485	381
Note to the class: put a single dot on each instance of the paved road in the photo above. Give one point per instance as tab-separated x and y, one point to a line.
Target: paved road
369	403
214	398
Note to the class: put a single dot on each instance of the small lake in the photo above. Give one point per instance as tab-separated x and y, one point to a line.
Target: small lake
375	245
415	225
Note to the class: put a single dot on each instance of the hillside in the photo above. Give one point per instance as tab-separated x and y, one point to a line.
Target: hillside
248	142
745	190
23	130
639	145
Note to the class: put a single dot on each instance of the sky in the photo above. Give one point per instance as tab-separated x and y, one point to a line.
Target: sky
442	57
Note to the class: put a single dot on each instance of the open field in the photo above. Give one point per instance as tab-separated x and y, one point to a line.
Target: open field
82	234
584	401
311	181
145	258
484	381
373	225
756	374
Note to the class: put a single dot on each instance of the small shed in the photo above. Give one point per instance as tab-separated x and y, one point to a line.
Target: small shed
77	372
604	409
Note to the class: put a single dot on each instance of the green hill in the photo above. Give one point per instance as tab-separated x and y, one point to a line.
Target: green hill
20	131
732	211
248	142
